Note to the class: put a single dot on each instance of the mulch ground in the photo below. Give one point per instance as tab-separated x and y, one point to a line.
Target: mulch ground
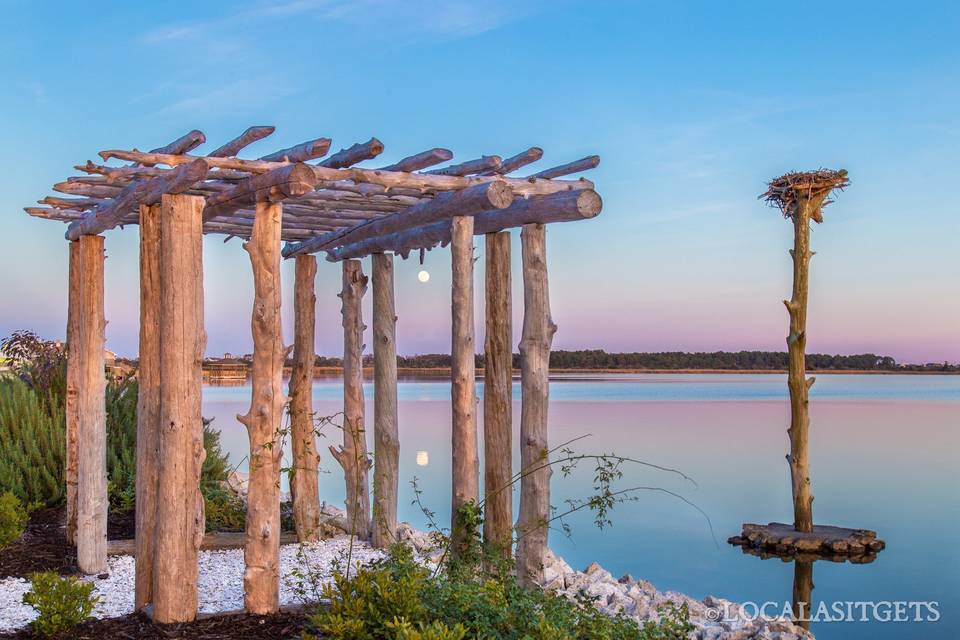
242	627
44	546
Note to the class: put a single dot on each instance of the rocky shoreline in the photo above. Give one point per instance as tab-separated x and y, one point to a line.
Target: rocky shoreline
221	586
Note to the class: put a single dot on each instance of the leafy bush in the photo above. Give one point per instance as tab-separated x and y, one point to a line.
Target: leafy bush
61	603
32	444
399	599
13	519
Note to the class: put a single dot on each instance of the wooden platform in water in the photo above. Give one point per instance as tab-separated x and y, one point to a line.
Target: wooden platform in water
824	542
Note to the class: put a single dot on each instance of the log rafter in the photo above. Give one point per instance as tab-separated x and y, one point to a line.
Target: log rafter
330	203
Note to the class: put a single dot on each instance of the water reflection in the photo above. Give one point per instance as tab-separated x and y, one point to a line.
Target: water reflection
802	592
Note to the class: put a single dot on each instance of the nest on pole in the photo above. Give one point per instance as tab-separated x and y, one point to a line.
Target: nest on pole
787	191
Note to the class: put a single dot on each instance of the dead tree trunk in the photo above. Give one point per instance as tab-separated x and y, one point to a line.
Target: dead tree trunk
303	477
497	399
182	341
352	455
538	330
148	403
466	464
91	412
802	592
799	386
261	553
386	469
73	389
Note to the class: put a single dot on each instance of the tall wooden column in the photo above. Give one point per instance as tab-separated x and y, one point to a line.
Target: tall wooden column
148	403
304	488
91	411
352	455
386	470
797	382
182	341
497	399
538	330
261	553
73	389
466	464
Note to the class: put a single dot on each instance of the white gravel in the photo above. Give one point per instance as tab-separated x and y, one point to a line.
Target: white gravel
221	580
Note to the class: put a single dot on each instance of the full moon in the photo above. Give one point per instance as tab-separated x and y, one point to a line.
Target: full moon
423	276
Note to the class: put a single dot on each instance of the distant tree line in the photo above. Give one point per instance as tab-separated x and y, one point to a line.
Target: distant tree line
725	360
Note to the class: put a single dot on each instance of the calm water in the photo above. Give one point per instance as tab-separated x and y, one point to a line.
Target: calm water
883	450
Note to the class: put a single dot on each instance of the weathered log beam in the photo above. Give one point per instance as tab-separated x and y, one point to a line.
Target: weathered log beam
261	580
482	197
478	165
582	164
148	403
565	206
71	419
535	342
284	182
183	144
386	471
513	163
72	203
498	400
140	192
181	344
91	412
466	462
352	455
352	155
389	180
304	491
299	153
248	137
420	160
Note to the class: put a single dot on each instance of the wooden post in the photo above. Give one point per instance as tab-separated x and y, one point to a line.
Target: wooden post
261	580
303	476
182	340
498	400
73	389
802	592
386	470
91	412
466	464
352	455
148	403
799	386
538	330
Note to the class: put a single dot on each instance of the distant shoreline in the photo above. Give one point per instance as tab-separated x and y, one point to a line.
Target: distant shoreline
445	371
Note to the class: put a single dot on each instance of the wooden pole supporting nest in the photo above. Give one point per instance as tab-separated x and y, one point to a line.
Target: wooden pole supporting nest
181	344
148	403
801	197
466	464
498	399
262	551
386	470
352	455
72	389
538	331
91	412
304	490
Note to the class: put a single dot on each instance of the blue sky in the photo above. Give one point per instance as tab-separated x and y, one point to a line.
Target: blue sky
692	107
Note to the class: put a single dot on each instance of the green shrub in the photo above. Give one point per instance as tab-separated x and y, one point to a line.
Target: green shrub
32	443
13	519
61	603
398	599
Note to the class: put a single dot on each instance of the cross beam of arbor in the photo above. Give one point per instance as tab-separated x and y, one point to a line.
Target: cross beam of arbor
330	203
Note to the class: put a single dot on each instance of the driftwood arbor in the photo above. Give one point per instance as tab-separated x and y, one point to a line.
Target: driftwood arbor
314	202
